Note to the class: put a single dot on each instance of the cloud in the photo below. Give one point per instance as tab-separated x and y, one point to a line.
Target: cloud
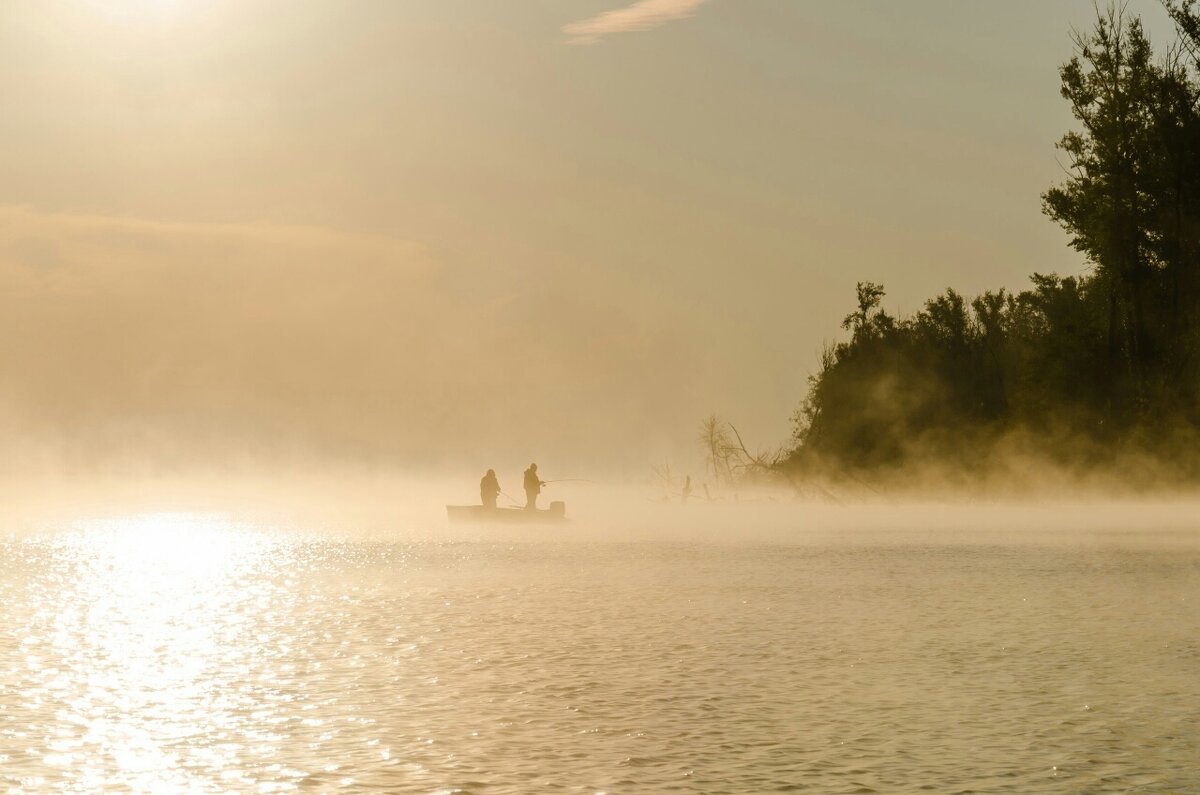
643	15
163	342
48	239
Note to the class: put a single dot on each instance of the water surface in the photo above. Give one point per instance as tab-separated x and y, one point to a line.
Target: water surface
190	653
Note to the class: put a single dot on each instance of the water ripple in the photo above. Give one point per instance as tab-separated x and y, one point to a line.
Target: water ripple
183	654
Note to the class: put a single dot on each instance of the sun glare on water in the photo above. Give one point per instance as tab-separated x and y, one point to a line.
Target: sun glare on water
152	610
182	544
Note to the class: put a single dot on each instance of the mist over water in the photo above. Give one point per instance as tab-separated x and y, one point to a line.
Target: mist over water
280	281
748	647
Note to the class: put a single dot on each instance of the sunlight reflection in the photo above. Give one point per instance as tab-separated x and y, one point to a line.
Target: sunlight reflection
153	619
172	545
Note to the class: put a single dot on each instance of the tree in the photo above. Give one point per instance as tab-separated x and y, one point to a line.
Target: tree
718	448
1186	14
869	296
1132	203
1080	365
1105	205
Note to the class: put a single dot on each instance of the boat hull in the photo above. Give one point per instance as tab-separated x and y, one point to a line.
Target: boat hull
480	514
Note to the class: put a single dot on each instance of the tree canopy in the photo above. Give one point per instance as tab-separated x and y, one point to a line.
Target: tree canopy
1085	364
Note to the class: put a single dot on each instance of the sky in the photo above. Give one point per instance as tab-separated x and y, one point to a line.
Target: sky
454	235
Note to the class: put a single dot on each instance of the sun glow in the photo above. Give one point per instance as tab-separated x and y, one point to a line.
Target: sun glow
149	614
136	11
180	546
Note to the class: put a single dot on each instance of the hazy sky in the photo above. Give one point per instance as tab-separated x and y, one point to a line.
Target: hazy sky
483	233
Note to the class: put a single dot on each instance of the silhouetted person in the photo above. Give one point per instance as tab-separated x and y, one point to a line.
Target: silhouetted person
489	489
687	490
533	487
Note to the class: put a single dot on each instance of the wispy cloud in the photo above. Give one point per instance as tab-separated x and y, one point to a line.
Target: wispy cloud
178	341
642	15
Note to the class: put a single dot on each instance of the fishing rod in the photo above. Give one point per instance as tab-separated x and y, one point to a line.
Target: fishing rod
571	480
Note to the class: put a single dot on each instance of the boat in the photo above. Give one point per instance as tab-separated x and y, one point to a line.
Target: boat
481	514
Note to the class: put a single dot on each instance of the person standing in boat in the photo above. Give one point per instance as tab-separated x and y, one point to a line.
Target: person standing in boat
533	487
489	489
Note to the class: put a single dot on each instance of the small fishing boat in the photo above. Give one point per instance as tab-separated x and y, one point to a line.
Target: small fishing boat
481	514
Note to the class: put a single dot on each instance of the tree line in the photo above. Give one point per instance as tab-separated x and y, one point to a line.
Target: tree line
1079	367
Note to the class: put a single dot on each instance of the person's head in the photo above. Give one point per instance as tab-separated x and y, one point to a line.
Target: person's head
533	467
491	473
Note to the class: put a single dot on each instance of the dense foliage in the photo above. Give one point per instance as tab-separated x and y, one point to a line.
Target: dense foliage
1078	366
